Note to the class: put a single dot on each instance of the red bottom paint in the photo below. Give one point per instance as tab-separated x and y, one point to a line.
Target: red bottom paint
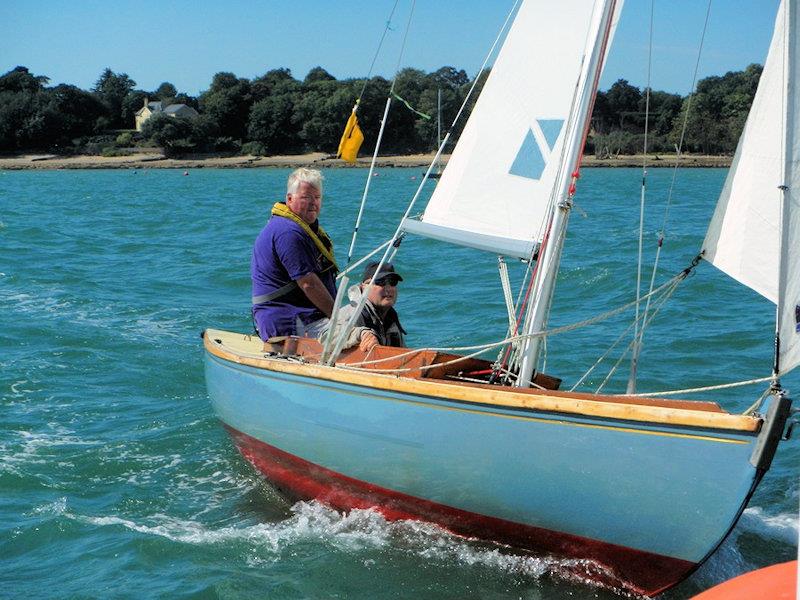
617	566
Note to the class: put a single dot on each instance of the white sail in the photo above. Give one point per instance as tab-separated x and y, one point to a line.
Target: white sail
499	183
754	214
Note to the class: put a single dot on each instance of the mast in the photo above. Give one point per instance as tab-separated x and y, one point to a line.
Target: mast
786	191
550	254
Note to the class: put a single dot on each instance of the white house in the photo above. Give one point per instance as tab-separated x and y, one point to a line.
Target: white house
173	110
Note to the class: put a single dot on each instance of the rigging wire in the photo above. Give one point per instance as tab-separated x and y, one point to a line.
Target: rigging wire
649	318
544	333
395	239
679	149
383	124
377	52
637	341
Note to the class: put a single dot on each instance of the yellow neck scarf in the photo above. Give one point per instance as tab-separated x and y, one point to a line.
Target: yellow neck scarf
281	210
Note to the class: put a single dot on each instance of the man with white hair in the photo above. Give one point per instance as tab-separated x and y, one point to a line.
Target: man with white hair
293	269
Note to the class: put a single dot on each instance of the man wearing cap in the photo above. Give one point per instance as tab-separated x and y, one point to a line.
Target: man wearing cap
378	322
293	269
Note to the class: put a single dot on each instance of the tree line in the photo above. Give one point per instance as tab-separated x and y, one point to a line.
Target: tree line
279	114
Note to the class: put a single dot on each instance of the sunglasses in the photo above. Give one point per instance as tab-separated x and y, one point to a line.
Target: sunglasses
384	281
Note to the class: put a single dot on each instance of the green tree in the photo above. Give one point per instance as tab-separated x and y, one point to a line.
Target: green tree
274	83
664	109
271	124
172	134
166	91
69	112
19	79
112	88
717	112
318	74
227	102
321	113
623	104
22	97
401	132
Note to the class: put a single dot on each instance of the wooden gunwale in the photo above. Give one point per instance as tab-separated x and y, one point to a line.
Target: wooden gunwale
645	410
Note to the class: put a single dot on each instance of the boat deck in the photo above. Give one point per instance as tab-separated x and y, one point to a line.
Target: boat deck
432	373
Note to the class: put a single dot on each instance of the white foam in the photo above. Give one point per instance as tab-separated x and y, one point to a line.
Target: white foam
353	532
783	527
55	508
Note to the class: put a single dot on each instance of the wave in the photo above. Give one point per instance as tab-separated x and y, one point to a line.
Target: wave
782	527
358	531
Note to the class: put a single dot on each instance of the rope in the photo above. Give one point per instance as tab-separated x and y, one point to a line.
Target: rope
630	345
757	404
550	332
707	388
605	354
411	108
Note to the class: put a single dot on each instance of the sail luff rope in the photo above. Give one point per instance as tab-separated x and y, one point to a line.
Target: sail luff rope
637	344
382	129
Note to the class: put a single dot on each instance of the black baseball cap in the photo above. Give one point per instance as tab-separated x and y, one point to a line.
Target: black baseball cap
387	270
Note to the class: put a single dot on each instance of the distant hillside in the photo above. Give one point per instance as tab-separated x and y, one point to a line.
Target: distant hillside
276	114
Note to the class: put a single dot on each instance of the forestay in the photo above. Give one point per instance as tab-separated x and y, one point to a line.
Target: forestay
499	183
745	238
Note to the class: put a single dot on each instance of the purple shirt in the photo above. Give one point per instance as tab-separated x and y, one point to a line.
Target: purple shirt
283	253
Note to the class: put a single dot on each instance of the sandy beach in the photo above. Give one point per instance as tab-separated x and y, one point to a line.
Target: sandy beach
316	159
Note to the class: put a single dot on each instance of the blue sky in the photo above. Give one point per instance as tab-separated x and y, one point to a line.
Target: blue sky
72	41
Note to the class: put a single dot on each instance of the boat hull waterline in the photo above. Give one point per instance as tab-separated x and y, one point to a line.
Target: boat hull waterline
647	501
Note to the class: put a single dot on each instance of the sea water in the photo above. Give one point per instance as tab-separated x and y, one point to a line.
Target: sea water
117	481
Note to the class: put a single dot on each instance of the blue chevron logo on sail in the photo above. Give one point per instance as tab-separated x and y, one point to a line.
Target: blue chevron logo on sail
532	155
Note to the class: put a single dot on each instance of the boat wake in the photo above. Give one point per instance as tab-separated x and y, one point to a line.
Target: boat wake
782	527
361	533
731	559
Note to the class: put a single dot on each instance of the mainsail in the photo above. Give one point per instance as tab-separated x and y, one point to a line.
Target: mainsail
754	235
498	187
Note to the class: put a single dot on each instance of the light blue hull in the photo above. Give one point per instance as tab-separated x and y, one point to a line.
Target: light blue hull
663	490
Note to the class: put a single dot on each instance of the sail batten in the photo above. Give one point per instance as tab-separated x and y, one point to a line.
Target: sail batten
754	235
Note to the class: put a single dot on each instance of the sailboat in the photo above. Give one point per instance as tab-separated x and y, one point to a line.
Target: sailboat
642	490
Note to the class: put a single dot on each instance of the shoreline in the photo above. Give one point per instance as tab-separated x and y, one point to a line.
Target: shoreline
315	159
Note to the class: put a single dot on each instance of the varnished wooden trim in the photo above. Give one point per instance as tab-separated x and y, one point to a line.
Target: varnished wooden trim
247	350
